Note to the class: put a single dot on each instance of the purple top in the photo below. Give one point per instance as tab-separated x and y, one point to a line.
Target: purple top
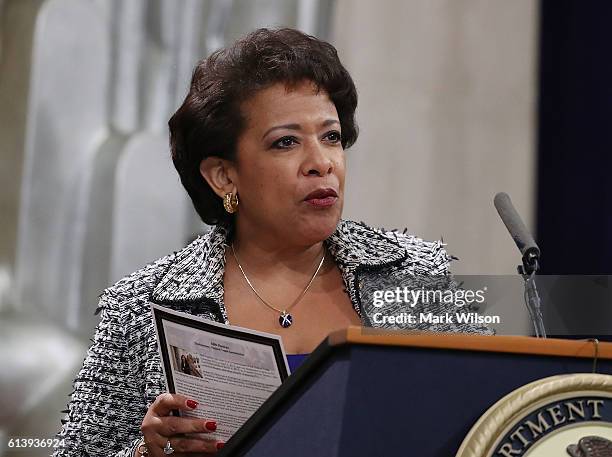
295	360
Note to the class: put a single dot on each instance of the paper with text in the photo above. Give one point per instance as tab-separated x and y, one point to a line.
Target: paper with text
230	371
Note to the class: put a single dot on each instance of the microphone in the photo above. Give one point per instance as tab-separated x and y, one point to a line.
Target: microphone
531	255
519	233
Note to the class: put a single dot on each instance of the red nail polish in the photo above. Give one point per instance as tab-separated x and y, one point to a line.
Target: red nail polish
192	404
211	425
220	445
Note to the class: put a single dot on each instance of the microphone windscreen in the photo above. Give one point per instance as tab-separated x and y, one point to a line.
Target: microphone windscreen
513	222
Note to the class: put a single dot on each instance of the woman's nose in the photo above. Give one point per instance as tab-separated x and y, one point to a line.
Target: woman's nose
319	161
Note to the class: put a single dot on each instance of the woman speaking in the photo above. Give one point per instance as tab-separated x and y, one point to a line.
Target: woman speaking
259	144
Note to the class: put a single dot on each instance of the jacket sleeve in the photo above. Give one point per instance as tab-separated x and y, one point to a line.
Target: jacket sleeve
106	407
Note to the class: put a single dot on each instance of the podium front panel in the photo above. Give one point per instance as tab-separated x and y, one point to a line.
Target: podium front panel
363	400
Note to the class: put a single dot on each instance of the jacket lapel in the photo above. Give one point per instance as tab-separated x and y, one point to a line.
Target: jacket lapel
196	275
357	247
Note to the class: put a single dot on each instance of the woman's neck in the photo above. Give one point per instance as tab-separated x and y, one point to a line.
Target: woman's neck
262	259
264	254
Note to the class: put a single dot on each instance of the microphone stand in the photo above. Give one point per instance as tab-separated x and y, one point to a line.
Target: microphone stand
531	296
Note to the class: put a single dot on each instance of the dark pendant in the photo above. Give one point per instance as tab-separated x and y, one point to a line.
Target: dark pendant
285	320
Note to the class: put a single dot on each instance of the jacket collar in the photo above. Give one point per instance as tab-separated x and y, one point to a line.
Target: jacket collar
197	271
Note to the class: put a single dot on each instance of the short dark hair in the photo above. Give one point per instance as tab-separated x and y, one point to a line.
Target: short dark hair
209	121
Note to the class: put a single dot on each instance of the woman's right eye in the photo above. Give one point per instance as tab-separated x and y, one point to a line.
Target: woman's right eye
285	142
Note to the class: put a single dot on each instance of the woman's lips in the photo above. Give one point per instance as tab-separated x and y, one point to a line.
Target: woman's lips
322	202
322	198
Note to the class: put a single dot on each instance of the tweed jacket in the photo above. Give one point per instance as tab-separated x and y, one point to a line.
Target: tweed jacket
122	374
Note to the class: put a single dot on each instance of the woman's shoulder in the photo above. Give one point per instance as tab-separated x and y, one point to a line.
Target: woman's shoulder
137	287
428	257
431	254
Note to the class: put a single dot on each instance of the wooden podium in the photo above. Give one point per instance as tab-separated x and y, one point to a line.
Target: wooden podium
365	392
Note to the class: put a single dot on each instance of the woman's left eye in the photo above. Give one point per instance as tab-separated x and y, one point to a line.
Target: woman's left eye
333	136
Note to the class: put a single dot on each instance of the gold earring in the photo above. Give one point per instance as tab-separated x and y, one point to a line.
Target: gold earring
230	202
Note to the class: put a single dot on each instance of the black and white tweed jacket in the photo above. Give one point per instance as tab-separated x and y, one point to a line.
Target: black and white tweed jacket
122	374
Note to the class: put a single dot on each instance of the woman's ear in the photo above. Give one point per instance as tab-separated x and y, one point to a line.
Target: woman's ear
218	174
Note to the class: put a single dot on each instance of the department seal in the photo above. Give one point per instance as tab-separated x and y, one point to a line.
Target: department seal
559	416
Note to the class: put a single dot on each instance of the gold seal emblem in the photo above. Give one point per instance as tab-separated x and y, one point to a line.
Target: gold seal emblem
565	415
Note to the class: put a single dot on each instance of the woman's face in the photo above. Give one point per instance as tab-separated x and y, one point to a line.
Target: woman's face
289	170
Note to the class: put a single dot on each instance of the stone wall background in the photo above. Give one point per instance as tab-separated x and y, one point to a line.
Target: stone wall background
447	107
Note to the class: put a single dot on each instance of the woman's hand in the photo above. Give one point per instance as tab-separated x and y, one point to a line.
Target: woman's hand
158	427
